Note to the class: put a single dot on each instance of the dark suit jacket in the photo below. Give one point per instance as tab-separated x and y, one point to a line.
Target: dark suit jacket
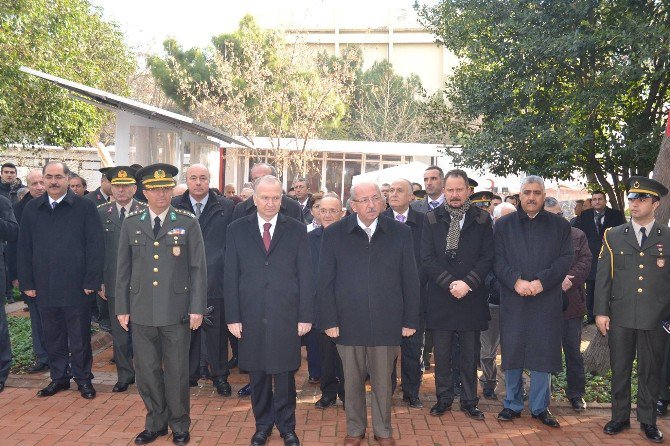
268	292
587	224
11	249
369	289
9	231
314	239
580	268
473	262
214	221
60	251
307	216
289	207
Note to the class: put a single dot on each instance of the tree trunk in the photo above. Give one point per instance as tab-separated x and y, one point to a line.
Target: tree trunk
597	354
662	175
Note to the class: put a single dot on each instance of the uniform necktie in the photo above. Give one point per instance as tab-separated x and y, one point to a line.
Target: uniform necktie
198	209
368	231
122	215
434	204
266	236
400	218
157	226
643	239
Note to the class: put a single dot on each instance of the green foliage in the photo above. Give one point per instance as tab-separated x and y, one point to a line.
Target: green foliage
556	87
598	388
21	341
66	38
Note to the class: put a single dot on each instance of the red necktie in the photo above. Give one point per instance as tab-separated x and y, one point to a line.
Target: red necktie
266	236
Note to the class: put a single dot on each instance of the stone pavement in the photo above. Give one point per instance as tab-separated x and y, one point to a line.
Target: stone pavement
111	419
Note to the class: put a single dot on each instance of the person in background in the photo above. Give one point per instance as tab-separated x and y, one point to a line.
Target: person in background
316	202
229	190
578	211
573	313
495	201
416	187
304	198
179	190
246	193
513	200
9	182
78	184
102	194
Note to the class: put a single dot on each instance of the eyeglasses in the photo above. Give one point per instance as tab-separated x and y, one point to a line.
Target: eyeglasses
368	200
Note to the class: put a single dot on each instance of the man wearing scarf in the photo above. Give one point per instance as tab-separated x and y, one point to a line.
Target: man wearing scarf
456	255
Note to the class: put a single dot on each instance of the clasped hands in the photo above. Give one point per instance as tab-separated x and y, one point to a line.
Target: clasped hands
459	289
528	288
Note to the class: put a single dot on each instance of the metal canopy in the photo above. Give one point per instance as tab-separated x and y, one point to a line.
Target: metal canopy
106	100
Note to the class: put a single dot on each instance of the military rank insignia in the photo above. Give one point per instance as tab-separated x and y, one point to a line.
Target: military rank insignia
660	261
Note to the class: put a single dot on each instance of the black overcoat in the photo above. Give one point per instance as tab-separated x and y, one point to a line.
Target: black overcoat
60	251
369	289
214	221
269	293
530	327
474	260
9	231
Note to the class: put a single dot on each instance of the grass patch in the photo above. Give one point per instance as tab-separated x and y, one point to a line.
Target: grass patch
21	341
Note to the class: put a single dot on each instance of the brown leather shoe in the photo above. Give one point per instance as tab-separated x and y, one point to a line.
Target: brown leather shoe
353	441
388	441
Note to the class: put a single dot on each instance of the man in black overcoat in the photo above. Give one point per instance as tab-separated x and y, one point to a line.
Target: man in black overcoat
269	300
456	255
60	264
593	222
533	253
9	231
214	214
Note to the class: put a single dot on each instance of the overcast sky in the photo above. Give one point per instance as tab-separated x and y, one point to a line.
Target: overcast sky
147	23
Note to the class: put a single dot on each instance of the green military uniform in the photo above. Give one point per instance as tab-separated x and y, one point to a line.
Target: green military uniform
110	216
161	279
632	284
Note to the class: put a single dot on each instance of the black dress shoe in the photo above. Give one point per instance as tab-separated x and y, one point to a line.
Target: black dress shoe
244	391
105	326
652	432
473	412
489	394
38	367
87	391
413	401
325	402
508	414
222	387
614	427
440	408
260	438
181	438
146	437
121	387
662	407
547	419
2	387
578	404
290	439
53	388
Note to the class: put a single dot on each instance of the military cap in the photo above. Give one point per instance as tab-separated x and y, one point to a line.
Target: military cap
157	175
643	187
103	170
121	175
419	193
472	183
481	198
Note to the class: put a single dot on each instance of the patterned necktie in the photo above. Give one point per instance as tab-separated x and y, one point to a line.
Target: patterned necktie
122	215
643	239
54	204
599	222
400	218
434	204
198	210
157	226
266	236
368	231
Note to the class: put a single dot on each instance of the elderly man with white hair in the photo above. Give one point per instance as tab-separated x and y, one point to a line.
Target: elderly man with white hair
368	297
533	253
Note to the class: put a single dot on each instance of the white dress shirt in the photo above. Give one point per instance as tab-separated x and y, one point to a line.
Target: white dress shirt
373	225
273	222
52	201
638	234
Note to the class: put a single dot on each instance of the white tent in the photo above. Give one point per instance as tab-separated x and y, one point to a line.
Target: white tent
411	171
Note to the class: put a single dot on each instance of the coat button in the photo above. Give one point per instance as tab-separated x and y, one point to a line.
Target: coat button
155	270
156	243
155	283
267	263
641	254
135	241
156	256
641	266
639	290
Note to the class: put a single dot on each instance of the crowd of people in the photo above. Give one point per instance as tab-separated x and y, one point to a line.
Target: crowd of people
192	282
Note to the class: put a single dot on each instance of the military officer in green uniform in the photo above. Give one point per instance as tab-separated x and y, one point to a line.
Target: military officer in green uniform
631	300
161	288
124	185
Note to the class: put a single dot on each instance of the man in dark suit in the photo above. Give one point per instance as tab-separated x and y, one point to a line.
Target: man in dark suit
60	264
400	194
9	231
214	213
269	305
304	199
368	298
35	184
332	376
593	222
632	300
457	257
112	215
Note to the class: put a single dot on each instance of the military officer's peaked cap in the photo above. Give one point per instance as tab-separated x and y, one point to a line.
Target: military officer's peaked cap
642	187
419	193
472	183
157	175
481	198
121	175
103	170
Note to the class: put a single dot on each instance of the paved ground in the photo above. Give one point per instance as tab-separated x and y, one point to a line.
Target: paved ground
111	419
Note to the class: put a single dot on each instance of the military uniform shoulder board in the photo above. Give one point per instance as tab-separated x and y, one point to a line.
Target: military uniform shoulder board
103	204
183	212
132	214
